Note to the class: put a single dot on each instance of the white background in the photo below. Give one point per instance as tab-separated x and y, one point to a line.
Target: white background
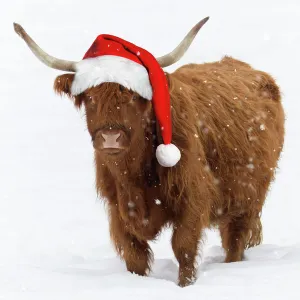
54	241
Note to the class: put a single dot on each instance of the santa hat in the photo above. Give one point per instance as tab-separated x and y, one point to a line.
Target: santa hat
112	59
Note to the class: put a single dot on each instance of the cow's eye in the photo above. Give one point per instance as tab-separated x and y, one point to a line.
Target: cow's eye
90	100
135	97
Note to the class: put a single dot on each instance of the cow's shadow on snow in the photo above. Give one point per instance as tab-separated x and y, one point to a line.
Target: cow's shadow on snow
164	269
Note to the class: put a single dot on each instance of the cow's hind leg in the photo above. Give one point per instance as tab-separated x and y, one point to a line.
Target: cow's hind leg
240	224
239	233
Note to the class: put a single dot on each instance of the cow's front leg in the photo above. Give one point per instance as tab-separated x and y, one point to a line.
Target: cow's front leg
186	235
136	253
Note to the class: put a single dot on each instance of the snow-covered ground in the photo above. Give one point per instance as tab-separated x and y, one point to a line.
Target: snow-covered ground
54	241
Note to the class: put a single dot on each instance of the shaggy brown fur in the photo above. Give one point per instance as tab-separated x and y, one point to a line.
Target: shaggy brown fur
228	123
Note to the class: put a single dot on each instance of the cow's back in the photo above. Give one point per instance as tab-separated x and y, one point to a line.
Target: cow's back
239	121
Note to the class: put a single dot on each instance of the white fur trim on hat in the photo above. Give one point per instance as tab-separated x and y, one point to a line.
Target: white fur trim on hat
167	155
91	72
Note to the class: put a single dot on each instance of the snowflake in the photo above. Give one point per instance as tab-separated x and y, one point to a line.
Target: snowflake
267	36
131	204
206	168
145	222
250	166
216	181
131	213
157	202
200	123
205	130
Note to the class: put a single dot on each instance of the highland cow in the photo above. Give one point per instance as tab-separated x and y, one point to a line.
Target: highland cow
228	124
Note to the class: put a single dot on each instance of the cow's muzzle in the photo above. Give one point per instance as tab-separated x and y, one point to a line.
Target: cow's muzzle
111	141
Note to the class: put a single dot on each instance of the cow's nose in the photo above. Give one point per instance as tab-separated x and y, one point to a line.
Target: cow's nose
111	140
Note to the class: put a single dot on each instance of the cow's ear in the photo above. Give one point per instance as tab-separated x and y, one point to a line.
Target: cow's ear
169	81
62	86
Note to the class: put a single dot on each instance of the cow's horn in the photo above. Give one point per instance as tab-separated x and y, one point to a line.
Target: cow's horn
52	62
179	51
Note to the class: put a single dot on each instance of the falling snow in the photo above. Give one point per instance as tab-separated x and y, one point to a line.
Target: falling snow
157	202
205	130
131	204
70	255
216	181
145	222
266	37
206	168
131	213
250	166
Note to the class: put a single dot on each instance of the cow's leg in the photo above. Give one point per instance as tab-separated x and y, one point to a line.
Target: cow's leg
138	256
244	195
186	235
238	234
136	253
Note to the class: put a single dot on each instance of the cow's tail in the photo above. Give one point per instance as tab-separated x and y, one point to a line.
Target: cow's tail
270	89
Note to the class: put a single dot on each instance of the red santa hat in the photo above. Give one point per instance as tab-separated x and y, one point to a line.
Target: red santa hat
112	59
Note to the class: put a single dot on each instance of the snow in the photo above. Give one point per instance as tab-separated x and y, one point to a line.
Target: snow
53	229
157	202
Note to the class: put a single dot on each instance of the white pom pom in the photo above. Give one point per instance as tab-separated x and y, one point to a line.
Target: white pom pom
167	155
